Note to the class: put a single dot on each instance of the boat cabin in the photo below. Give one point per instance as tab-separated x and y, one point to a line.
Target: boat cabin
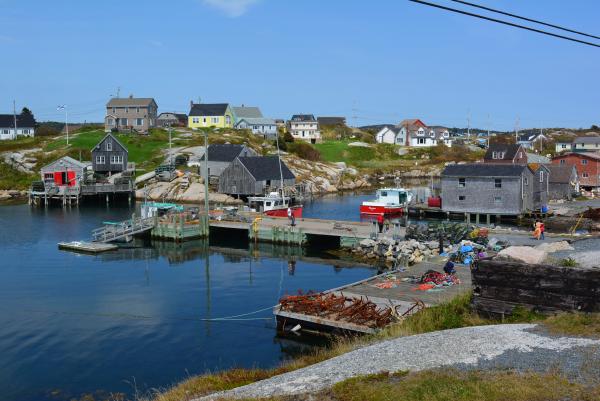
392	196
269	202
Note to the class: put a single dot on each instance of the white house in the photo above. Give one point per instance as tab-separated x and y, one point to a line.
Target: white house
530	141
305	127
391	135
561	147
259	126
25	126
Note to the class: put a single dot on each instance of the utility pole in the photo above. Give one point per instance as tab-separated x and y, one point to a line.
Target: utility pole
206	176
488	130
354	116
541	139
469	126
170	153
67	124
15	118
517	130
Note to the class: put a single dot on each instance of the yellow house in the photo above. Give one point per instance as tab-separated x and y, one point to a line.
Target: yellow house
217	115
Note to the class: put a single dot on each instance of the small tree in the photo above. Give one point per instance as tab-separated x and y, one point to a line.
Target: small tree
595	128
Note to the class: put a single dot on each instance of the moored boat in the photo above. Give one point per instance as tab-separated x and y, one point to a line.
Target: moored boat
274	205
388	201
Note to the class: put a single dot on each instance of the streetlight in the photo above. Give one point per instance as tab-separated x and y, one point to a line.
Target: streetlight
64	107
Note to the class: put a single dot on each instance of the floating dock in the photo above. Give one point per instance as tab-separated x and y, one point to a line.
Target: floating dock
86	247
393	289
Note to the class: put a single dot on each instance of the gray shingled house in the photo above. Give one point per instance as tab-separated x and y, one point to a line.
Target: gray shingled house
220	156
501	153
109	156
248	176
494	189
564	181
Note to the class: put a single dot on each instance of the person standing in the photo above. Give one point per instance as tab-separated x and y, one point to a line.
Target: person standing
380	223
290	214
542	229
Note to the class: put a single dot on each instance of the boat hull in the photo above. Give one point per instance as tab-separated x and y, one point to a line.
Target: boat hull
282	212
381	210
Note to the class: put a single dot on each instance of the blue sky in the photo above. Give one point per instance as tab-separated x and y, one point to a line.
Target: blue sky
387	59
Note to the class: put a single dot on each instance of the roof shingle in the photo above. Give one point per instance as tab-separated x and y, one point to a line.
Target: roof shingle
266	168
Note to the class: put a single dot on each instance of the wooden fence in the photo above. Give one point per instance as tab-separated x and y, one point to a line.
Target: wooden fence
499	286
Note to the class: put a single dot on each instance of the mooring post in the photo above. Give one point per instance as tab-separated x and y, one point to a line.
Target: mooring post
477	218
488	219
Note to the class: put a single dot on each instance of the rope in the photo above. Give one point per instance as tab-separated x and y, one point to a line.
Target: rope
240	317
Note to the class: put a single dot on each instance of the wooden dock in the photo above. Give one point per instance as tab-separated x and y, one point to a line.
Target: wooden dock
86	247
402	295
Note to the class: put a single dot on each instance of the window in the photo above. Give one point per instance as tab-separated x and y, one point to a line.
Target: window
227	120
462	183
116	159
421	141
123	122
461	197
526	181
497	199
195	120
584	161
498	183
110	121
137	109
563	161
114	110
204	120
100	159
126	109
139	121
564	146
214	120
541	176
585	175
5	131
109	145
520	155
49	176
25	132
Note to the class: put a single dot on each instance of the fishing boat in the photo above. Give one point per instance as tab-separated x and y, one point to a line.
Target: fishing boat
274	204
388	201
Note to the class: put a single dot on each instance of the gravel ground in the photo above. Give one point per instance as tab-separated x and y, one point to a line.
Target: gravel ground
520	346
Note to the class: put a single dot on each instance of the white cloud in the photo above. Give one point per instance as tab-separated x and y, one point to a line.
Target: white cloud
231	8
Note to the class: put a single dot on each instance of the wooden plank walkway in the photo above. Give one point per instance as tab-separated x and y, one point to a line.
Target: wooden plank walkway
403	295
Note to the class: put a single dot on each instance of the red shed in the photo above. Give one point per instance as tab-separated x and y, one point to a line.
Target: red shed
64	171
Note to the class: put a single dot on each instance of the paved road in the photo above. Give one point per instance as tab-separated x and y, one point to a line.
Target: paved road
519	346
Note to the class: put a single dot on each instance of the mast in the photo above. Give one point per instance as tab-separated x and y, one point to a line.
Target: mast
280	169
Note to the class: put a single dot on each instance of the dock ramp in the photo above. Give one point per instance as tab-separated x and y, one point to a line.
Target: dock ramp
116	231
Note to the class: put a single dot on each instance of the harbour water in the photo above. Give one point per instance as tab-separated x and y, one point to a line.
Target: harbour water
140	318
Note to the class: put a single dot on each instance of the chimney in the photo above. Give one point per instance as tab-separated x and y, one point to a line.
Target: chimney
191	104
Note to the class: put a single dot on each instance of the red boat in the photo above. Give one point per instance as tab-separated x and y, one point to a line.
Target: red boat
389	201
275	205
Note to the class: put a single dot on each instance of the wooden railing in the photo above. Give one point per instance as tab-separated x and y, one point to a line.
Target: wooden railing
113	232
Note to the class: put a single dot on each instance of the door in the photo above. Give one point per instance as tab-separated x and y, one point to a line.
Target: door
71	178
58	178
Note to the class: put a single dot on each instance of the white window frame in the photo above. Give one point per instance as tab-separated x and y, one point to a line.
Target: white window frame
139	121
585	175
195	120
116	159
584	162
214	120
462	184
124	122
100	160
109	146
541	176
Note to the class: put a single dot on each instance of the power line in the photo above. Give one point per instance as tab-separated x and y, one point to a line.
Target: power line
505	23
525	18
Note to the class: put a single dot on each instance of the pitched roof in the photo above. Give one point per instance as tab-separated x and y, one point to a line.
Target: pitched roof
509	150
591	140
483	170
114	138
332	120
246	112
303	117
412	122
535	158
208	109
65	160
560	173
223	152
590	155
130	101
266	168
258	121
23	120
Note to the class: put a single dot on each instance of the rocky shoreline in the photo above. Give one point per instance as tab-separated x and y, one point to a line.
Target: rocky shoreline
13	195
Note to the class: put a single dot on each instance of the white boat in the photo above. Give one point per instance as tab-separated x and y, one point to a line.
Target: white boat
274	204
387	201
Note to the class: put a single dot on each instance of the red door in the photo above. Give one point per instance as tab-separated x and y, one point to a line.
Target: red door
58	178
71	178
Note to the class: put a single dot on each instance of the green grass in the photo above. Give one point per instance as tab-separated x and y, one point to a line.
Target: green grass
337	151
22	143
444	385
14	179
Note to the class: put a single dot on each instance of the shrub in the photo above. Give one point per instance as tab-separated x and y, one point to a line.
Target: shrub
46	130
304	150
